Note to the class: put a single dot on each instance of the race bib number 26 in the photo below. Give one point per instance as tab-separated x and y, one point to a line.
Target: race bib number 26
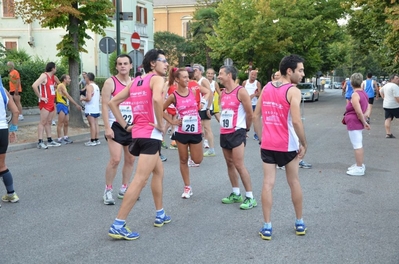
190	124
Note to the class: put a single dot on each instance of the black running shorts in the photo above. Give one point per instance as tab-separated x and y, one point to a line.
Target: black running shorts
233	140
277	157
147	146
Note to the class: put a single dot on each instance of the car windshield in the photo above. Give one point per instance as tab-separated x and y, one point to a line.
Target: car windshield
304	86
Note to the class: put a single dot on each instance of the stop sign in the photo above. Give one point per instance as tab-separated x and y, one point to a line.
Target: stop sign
135	39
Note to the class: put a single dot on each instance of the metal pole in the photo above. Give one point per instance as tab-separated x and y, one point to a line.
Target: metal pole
134	62
118	29
107	63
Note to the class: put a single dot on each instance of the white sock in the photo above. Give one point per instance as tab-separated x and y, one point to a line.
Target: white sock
236	190
249	195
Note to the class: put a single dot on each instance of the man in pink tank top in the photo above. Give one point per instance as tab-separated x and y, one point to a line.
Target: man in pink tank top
117	137
235	121
277	122
145	95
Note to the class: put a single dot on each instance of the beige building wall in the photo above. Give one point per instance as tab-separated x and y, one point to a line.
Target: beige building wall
173	19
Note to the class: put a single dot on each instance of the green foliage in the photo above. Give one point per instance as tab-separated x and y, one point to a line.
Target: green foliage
173	45
29	71
111	63
100	81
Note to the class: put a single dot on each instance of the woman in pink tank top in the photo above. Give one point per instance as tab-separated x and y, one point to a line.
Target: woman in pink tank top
188	132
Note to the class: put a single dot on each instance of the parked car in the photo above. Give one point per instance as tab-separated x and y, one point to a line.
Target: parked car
337	85
309	91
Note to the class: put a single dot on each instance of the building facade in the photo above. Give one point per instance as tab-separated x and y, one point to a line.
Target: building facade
41	42
174	16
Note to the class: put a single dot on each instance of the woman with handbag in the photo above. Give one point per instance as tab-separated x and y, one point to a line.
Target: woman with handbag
356	110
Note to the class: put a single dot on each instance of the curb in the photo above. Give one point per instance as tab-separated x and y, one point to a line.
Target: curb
76	139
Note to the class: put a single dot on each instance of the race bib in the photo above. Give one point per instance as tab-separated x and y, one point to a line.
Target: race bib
190	124
226	119
127	114
52	90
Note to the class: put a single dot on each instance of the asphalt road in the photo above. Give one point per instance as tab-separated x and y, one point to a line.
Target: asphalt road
61	217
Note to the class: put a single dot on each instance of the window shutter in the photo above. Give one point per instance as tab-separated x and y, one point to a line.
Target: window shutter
145	16
138	14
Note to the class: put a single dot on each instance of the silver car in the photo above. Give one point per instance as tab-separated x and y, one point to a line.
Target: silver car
309	91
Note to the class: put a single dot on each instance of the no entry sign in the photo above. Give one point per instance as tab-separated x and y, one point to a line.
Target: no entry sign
135	39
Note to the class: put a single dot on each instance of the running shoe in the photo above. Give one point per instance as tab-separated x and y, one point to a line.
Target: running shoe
206	144
256	137
191	163
41	145
163	158
280	168
209	153
169	131
90	144
121	193
265	233
300	229
355	165
13	198
164	145
304	165
52	143
356	171
108	199
173	145
122	233
187	193
20	118
53	123
68	141
98	142
62	141
248	203
232	198
161	221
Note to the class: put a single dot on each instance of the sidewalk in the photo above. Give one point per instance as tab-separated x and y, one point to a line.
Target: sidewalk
32	117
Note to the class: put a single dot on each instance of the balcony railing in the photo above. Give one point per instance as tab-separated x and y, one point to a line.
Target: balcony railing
141	29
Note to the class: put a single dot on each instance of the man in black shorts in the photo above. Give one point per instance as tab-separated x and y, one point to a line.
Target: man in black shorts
279	108
390	93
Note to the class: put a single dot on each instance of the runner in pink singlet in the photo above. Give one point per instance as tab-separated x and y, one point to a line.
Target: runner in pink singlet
188	134
278	123
146	96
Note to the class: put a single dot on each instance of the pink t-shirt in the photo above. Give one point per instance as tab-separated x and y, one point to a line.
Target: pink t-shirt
278	133
143	109
187	109
232	115
125	107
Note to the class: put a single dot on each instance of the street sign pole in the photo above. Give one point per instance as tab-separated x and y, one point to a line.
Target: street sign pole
118	29
107	63
134	61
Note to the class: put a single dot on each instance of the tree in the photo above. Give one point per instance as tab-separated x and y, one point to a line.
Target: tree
172	44
76	17
263	31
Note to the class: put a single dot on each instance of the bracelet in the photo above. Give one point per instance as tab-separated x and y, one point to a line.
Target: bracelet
127	125
13	128
247	129
208	109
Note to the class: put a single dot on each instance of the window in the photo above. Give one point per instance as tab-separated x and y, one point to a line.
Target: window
124	48
8	8
10	44
186	26
141	14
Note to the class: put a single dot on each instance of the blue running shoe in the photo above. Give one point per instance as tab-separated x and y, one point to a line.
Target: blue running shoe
300	229
160	221
122	233
266	233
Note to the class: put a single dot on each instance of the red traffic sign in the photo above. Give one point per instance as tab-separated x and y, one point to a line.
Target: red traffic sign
135	39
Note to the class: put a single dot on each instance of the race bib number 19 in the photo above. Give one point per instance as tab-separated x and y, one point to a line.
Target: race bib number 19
226	119
190	124
127	114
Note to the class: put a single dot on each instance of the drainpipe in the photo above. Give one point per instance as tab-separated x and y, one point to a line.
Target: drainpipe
167	18
31	40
